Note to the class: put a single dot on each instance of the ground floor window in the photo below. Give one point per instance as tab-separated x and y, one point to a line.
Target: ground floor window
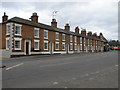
71	46
36	44
17	43
57	45
84	47
80	46
45	45
7	43
75	46
63	46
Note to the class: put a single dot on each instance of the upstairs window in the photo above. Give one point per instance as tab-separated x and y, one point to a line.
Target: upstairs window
45	34
57	36
36	32
17	29
63	37
80	39
75	38
8	29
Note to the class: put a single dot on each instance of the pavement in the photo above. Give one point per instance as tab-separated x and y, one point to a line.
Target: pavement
84	70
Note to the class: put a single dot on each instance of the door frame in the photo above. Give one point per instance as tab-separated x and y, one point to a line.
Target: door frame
51	47
29	41
67	48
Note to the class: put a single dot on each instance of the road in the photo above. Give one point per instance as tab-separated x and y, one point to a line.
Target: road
84	70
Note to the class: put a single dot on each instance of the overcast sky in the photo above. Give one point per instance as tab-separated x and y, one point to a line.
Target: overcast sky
92	15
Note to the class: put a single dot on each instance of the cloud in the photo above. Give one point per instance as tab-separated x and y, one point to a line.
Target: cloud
96	15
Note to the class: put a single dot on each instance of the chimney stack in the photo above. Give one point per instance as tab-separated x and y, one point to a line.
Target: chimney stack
77	30
83	32
67	27
94	35
89	33
34	17
54	23
4	18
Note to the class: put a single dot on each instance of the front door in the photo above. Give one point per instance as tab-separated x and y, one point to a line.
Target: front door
27	48
51	47
67	48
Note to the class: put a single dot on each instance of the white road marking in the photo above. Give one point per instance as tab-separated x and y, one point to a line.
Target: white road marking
74	78
116	65
86	74
55	83
14	66
97	72
56	64
65	87
91	78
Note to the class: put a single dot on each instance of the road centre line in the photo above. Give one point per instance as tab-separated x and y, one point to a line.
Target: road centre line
14	66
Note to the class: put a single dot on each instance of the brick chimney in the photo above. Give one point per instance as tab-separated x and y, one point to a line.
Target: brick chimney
89	33
54	23
83	32
101	35
77	30
94	35
67	27
4	18
34	17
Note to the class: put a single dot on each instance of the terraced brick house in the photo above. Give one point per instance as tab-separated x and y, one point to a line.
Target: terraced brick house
27	37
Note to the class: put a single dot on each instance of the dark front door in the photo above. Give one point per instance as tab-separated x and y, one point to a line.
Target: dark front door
27	48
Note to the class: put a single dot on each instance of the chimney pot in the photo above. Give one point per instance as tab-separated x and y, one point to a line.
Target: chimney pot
54	23
83	32
34	17
4	17
77	30
67	27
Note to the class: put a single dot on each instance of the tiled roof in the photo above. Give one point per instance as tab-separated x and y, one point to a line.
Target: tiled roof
48	27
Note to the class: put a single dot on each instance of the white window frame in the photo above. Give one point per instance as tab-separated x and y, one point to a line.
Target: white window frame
71	44
8	31
80	46
17	39
63	37
71	38
44	45
62	46
46	31
80	39
55	45
20	29
38	41
75	38
75	46
7	48
84	40
36	29
57	33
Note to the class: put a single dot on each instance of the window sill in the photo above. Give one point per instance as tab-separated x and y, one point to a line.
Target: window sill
36	37
18	35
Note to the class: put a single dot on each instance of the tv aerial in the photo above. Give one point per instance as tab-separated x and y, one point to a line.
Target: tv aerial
54	14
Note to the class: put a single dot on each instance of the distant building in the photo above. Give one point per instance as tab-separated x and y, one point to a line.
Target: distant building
114	44
26	37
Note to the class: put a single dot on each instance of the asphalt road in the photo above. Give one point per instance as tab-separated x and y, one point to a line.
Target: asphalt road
84	70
